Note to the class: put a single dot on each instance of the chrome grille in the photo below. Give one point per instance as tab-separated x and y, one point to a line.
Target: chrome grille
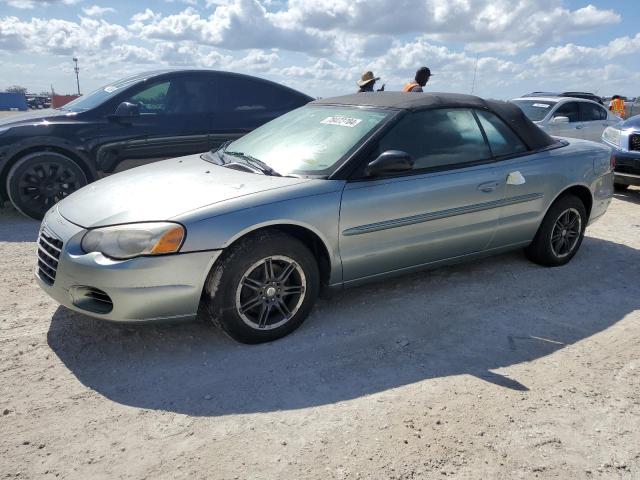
634	142
49	248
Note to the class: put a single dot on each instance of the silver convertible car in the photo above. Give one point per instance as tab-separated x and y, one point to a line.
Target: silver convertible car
338	192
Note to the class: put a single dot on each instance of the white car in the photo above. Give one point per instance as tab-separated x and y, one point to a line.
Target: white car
568	117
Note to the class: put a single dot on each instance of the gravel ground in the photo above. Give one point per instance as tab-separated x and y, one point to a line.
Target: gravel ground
494	369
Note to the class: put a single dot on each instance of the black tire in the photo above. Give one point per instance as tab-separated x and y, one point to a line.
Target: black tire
224	295
39	180
547	248
620	187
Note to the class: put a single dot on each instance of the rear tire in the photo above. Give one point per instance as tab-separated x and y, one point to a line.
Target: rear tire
560	234
263	288
620	187
39	180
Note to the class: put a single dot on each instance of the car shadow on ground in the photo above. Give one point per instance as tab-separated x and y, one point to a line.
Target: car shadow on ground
15	227
468	319
631	195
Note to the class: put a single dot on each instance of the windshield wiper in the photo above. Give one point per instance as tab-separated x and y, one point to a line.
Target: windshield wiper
253	161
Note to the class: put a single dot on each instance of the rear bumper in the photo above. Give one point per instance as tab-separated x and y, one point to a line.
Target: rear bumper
140	289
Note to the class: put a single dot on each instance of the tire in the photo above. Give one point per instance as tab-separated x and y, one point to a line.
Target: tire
620	187
39	180
551	247
252	309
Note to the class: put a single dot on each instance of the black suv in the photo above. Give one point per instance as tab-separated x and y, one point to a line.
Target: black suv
48	154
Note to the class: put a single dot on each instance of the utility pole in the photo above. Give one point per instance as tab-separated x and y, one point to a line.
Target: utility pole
475	70
77	70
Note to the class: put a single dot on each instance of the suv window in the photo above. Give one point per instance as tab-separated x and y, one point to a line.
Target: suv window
437	138
185	95
590	112
152	99
569	109
502	140
238	94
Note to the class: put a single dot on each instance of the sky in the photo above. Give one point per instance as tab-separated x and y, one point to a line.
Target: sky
321	47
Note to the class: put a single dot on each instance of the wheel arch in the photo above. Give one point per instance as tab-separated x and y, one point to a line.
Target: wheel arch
88	169
579	190
308	236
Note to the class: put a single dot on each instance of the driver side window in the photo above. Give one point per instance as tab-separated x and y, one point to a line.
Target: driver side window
438	138
151	100
570	110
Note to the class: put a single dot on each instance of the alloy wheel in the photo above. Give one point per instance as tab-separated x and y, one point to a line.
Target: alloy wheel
566	232
44	184
270	292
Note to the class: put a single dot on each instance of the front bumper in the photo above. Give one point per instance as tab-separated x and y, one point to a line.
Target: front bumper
627	170
140	289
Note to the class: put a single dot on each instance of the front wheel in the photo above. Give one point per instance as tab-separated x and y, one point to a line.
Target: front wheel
263	288
39	180
560	234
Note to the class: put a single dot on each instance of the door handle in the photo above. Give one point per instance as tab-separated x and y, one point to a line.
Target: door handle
516	178
488	187
579	127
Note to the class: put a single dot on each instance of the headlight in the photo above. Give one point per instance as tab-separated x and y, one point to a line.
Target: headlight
611	135
133	240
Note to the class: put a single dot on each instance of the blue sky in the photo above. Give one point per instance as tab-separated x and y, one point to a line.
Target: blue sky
322	46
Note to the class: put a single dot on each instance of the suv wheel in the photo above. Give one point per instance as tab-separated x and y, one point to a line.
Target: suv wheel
39	180
560	234
263	288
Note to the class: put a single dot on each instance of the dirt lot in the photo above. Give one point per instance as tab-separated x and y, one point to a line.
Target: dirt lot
494	369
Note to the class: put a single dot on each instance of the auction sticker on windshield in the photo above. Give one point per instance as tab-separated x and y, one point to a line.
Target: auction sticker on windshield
341	121
541	105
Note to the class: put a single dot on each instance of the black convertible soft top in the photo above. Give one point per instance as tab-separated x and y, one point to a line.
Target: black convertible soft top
510	113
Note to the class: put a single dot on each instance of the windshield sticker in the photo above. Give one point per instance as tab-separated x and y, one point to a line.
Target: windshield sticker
541	105
110	89
341	121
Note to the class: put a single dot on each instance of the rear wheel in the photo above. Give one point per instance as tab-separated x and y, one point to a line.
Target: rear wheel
263	288
39	180
620	187
560	234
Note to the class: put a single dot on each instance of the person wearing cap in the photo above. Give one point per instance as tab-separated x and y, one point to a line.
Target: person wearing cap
367	81
422	77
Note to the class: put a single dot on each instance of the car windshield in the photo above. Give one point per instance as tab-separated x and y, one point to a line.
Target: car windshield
536	110
311	140
99	96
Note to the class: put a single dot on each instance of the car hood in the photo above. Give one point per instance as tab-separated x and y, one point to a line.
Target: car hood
35	116
163	190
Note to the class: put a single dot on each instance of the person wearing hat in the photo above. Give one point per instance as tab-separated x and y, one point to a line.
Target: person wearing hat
422	77
367	81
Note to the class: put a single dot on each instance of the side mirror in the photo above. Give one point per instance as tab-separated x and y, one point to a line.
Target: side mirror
390	162
126	111
557	120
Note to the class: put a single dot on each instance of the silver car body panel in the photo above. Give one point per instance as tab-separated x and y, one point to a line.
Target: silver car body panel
591	130
370	228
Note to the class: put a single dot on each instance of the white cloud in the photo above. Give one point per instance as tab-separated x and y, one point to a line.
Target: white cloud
97	11
31	4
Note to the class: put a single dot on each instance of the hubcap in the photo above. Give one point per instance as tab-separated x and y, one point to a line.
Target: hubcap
566	233
270	292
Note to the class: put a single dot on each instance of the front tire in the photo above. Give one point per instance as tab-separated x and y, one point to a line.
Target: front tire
263	288
39	180
560	234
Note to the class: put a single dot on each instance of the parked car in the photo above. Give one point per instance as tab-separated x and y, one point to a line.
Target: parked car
568	117
584	95
339	192
624	139
48	154
632	107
